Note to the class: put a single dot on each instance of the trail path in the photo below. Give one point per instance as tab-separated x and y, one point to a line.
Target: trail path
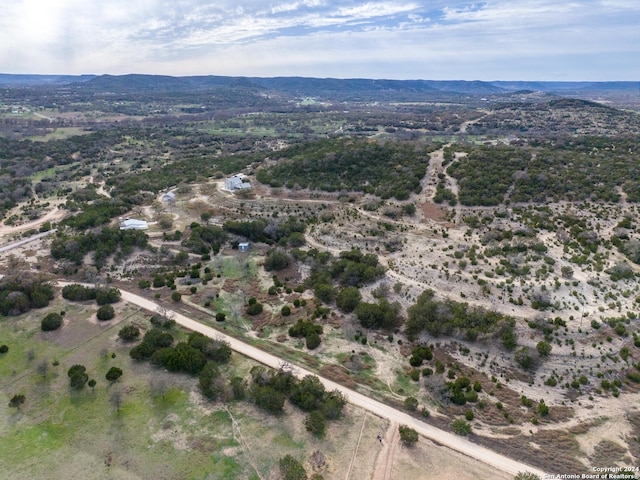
384	462
51	216
19	243
447	439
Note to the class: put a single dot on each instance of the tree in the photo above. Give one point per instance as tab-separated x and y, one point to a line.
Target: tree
524	358
238	388
285	311
291	469
220	317
461	427
129	333
113	374
408	435
105	312
269	399
544	348
52	321
77	376
313	340
348	299
105	296
16	401
324	292
567	272
43	368
92	384
411	403
254	309
4	348
116	400
316	423
276	260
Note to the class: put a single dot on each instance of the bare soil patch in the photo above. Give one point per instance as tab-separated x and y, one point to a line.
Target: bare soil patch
432	211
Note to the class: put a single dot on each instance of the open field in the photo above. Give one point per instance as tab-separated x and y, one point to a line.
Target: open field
161	427
506	257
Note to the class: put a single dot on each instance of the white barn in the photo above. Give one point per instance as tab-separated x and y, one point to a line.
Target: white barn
132	224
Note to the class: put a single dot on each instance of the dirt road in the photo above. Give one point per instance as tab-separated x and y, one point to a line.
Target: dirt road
51	216
11	246
447	439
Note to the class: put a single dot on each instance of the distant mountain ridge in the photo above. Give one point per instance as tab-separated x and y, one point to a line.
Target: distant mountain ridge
307	86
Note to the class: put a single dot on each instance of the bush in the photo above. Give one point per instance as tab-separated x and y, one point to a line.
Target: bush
524	358
285	311
220	317
526	476
411	403
105	312
254	309
312	340
460	427
544	348
348	299
77	376
276	260
316	423
408	435
176	296
52	321
469	415
78	293
4	349
291	469
129	333
105	296
113	374
543	409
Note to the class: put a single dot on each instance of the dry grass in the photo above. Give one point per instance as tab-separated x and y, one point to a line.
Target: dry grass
608	453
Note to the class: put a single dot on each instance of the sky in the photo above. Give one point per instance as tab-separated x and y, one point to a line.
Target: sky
552	40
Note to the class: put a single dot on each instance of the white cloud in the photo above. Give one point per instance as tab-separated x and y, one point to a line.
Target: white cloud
388	38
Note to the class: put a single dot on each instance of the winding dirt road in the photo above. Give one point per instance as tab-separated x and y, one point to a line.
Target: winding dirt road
459	444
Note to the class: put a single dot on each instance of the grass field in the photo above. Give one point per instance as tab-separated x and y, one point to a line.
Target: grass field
59	134
163	428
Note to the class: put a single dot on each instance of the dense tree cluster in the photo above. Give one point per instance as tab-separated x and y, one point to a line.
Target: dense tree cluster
390	169
21	292
76	292
270	389
584	168
103	243
352	268
449	317
262	230
202	239
308	330
378	315
77	376
153	340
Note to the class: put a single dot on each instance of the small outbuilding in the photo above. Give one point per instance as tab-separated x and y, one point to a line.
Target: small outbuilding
169	197
243	246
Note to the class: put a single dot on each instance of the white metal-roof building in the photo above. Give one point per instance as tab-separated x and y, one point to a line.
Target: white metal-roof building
236	183
132	224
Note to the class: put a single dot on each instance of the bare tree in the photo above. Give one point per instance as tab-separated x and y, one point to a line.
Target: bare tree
158	386
116	399
43	368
